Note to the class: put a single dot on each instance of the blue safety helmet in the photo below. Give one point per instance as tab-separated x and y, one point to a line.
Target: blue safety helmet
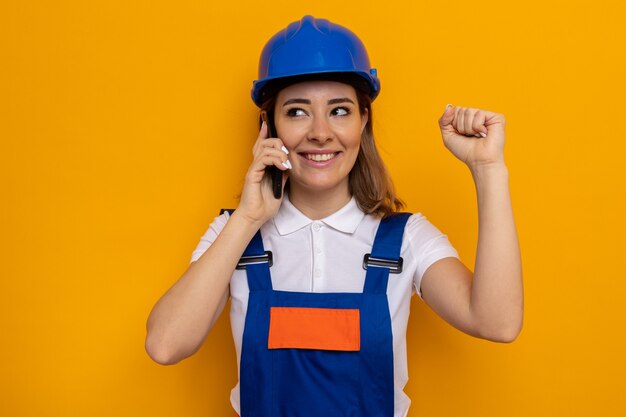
313	49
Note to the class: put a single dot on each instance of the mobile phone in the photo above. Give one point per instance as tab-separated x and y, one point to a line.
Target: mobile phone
275	174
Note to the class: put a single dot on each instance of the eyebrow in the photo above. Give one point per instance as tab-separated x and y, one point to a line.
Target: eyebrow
307	101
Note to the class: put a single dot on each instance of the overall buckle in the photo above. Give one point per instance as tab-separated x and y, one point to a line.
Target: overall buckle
255	259
395	266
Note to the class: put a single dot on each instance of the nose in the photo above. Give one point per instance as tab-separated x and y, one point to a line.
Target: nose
320	130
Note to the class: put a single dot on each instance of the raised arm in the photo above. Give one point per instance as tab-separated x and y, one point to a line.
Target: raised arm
183	316
489	303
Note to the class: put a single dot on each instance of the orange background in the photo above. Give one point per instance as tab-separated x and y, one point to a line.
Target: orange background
125	126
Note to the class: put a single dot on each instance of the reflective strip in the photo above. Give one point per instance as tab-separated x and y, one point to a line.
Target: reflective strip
314	328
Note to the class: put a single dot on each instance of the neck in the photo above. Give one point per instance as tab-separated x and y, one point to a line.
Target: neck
318	204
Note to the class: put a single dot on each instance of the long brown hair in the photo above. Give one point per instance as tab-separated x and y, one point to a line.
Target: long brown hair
369	181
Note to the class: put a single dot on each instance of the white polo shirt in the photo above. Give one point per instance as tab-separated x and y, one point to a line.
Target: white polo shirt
327	256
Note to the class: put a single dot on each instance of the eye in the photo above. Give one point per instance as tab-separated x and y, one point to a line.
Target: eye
341	111
295	112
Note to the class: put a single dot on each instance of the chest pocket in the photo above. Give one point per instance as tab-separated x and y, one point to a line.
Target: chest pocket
314	328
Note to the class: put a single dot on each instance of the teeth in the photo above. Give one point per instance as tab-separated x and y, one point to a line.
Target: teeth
320	157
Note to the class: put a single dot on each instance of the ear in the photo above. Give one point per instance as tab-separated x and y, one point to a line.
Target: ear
364	118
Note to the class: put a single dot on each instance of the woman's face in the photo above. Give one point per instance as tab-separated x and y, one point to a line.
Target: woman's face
320	124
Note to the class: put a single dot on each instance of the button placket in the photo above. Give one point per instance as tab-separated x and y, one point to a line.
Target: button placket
318	259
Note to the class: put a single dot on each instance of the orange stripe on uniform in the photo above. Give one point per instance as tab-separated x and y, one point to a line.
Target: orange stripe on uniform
314	328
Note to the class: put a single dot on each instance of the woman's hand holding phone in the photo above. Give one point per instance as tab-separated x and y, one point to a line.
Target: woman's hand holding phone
272	172
258	203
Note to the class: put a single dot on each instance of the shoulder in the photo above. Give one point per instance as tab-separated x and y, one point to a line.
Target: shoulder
218	224
207	239
423	245
424	242
417	227
419	230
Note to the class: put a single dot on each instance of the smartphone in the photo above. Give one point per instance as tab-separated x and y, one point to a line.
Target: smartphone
276	175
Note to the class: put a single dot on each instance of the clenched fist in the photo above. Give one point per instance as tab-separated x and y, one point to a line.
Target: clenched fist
474	136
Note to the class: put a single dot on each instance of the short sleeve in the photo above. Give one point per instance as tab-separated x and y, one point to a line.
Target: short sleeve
209	236
427	244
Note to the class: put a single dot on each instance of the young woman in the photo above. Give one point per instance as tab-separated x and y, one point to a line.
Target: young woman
320	279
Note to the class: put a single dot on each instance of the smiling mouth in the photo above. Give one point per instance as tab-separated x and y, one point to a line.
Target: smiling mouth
319	157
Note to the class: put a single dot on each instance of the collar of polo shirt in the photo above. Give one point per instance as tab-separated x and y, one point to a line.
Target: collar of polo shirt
289	218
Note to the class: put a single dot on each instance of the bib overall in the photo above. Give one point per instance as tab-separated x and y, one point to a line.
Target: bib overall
320	354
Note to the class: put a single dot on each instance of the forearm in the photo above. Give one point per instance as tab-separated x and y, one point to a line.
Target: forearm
496	302
181	319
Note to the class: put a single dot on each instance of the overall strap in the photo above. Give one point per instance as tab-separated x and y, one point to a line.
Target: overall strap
259	278
256	261
385	256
